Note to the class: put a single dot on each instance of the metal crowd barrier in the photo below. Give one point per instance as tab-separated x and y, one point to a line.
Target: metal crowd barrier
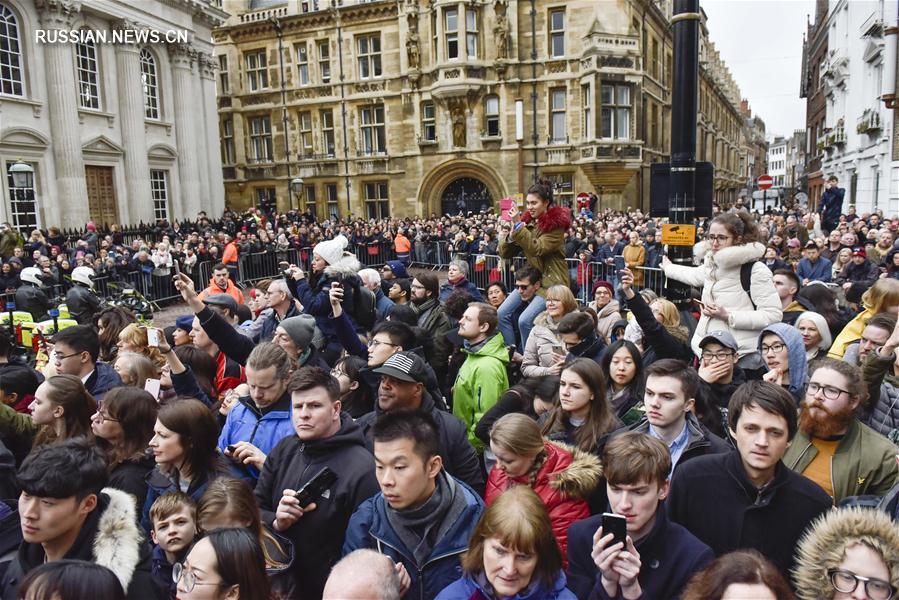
432	255
374	254
254	267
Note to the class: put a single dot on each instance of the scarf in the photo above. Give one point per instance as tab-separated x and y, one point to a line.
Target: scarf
421	528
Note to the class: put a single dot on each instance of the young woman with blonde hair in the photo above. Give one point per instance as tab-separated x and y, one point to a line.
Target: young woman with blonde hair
133	338
544	351
883	296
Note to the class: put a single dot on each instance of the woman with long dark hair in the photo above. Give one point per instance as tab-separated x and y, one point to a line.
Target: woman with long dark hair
62	408
110	323
622	367
184	445
582	417
228	561
69	579
539	234
123	426
355	399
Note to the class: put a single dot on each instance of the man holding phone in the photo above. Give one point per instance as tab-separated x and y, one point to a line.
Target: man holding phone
647	557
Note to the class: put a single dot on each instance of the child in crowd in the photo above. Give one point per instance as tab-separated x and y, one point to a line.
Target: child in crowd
174	519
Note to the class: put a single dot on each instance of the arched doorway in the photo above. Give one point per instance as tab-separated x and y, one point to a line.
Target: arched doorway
466	194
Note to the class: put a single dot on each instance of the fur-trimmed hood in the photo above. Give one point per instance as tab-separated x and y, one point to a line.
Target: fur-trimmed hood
825	543
344	267
117	544
732	256
580	477
555	217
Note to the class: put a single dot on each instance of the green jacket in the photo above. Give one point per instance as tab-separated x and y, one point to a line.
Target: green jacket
480	383
13	423
543	245
864	461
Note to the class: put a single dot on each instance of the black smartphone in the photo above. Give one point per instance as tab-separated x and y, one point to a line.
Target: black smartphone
616	525
619	263
315	487
231	448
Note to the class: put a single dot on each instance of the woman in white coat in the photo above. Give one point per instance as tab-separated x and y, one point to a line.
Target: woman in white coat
732	242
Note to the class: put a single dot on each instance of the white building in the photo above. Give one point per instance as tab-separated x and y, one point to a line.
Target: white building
777	161
118	121
858	128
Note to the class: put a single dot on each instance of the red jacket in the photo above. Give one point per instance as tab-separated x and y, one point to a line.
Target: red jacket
565	478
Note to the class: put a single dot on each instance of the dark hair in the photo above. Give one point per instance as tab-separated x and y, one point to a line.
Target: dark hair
240	562
456	303
411	425
532	274
73	467
78	405
678	369
80	338
788	273
399	333
219	267
882	320
740	224
361	400
601	419
198	432
486	314
741	566
405	285
404	313
543	189
201	365
578	323
768	397
135	409
429	281
114	319
308	378
632	457
637	383
243	313
500	285
824	301
21	381
71	580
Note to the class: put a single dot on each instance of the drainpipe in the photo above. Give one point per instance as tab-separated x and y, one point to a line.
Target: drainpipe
280	31
343	116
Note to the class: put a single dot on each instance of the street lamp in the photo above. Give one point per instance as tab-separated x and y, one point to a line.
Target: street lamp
296	186
22	174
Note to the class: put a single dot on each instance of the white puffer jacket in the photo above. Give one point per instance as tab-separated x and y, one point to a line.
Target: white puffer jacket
719	277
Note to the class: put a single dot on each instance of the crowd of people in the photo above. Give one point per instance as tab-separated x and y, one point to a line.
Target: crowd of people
344	432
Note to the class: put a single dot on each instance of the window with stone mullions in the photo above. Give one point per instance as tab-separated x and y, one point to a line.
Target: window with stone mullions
257	70
374	140
331	190
151	84
557	33
261	139
327	119
471	32
616	111
160	193
10	54
306	148
377	205
587	104
303	64
224	84
88	76
22	203
491	116
429	122
451	31
559	132
324	61
228	154
369	55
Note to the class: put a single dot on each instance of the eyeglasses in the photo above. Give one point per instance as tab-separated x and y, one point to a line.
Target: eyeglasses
102	417
719	238
60	357
847	581
336	373
776	348
376	343
829	392
716	355
417	287
187	578
522	286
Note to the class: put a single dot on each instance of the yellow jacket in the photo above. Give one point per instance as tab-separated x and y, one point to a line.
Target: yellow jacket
851	332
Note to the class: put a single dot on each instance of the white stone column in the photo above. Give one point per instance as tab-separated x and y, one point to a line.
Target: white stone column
185	113
216	198
62	94
139	202
199	124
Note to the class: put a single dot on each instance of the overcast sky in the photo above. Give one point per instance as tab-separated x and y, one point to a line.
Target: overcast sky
761	43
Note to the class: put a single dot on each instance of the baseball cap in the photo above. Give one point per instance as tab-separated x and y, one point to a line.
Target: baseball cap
185	322
725	338
793	243
405	366
859	251
223	300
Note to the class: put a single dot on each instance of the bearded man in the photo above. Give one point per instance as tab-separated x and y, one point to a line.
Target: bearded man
832	447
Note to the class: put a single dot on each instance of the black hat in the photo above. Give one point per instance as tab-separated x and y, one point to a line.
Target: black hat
405	366
222	300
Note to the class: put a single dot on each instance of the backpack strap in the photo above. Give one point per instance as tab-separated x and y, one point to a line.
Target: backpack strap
746	280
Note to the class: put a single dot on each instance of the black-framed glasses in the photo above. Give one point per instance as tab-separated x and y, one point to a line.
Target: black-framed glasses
776	347
60	357
723	355
187	578
846	582
719	238
102	417
522	286
830	392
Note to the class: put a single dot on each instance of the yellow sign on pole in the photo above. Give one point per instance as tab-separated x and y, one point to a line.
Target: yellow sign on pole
678	235
519	199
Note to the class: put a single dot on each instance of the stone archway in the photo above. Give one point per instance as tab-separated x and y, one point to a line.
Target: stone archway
465	194
440	179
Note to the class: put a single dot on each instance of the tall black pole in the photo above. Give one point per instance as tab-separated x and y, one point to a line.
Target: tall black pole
682	202
280	30
343	115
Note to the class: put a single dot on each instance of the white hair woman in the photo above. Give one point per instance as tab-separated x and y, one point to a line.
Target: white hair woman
815	334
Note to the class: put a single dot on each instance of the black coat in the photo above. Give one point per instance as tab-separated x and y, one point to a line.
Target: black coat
32	299
669	555
83	304
713	498
131	476
459	457
655	336
318	536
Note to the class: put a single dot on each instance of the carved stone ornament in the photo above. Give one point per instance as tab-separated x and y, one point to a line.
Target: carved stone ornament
182	54
58	14
457	116
501	30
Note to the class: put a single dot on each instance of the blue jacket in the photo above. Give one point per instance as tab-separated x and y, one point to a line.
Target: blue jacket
383	305
670	555
103	379
464	285
466	588
831	205
821	270
158	484
369	528
246	423
795	356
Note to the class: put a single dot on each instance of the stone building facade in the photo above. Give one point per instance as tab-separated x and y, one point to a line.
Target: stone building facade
115	119
811	87
434	106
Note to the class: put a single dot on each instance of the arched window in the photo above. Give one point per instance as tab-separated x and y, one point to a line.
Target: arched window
10	54
88	75
151	84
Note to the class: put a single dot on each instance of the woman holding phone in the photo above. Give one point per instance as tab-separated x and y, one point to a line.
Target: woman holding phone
539	234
